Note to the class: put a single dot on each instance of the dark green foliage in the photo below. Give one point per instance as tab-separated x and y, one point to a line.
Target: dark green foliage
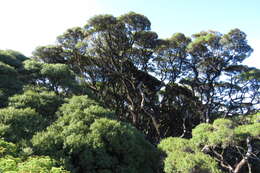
86	142
56	77
12	58
44	102
19	124
118	147
13	161
11	83
7	148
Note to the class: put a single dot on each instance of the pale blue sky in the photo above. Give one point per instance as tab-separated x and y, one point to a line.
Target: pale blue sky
30	23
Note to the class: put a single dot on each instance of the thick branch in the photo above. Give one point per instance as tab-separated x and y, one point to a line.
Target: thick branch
244	161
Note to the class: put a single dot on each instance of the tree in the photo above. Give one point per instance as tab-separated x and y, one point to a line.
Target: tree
74	104
214	59
56	77
149	82
232	143
85	139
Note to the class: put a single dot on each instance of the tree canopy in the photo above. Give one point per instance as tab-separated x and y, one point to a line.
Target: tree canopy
112	96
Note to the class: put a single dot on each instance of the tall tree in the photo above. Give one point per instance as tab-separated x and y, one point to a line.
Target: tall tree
165	87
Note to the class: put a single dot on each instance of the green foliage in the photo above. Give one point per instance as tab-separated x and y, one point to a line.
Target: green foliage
164	87
85	142
183	156
243	131
224	139
33	69
219	133
190	163
19	124
76	103
135	21
12	58
12	161
8	148
7	69
58	74
11	63
201	134
174	144
45	103
56	77
101	22
248	119
39	164
228	139
75	118
9	84
32	165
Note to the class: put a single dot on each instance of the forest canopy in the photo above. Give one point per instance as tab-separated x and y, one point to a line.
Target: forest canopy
112	96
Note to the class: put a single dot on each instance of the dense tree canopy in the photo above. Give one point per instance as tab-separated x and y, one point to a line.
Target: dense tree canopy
10	66
154	82
114	97
14	161
88	140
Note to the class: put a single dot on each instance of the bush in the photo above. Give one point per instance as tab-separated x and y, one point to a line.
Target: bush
12	161
44	102
89	140
183	156
19	124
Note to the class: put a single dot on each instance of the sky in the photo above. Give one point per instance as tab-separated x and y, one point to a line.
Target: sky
26	24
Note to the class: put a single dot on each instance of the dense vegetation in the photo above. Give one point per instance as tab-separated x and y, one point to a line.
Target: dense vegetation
112	97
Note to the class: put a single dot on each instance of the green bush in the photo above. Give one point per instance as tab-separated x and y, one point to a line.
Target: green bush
76	103
184	157
19	124
12	160
44	102
8	148
219	133
86	139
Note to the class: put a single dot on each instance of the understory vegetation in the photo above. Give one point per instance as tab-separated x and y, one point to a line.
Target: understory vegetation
112	97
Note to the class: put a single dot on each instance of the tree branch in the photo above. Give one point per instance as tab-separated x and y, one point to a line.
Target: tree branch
245	159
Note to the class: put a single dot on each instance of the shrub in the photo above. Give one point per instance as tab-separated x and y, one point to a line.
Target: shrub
19	124
89	140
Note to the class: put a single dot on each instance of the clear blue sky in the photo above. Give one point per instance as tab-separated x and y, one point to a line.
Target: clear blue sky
190	16
30	23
